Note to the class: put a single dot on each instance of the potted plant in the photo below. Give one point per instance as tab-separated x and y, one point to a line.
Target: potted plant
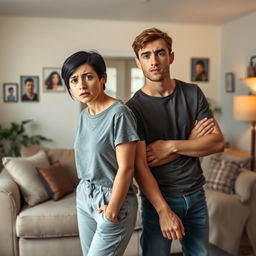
13	138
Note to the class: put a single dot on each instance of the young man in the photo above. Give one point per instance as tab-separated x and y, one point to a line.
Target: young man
30	95
167	110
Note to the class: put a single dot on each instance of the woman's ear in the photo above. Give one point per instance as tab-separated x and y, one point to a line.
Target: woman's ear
104	77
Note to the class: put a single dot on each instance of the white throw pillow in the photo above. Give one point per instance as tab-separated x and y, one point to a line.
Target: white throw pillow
24	173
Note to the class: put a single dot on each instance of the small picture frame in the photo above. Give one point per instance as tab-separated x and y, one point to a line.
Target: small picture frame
230	82
10	92
29	86
52	81
200	69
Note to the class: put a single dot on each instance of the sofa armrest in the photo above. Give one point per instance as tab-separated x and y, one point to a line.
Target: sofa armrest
10	207
244	184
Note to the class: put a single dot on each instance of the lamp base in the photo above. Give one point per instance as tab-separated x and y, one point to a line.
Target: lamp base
253	145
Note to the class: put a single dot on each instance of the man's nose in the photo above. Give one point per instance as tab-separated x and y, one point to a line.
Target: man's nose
154	59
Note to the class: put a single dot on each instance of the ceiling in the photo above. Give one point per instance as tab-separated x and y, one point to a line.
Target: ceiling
209	12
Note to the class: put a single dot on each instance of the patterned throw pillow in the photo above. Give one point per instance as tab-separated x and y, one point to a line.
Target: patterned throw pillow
221	175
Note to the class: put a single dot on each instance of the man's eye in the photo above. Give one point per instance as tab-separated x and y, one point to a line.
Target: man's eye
145	56
161	53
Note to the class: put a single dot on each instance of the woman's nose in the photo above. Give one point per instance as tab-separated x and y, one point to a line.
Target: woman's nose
82	84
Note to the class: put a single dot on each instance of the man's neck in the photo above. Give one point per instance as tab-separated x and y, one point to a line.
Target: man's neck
159	89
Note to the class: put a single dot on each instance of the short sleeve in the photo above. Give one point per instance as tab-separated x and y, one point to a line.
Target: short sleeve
139	122
125	129
203	109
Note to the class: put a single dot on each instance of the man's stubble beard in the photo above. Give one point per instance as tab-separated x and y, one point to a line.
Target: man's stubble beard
152	78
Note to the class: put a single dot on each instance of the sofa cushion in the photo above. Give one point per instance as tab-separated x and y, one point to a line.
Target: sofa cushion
56	180
64	156
23	172
49	219
221	175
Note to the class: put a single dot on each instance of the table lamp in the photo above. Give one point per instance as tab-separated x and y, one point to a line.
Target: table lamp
244	108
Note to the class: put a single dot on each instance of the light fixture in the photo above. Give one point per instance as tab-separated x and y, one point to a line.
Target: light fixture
244	108
250	80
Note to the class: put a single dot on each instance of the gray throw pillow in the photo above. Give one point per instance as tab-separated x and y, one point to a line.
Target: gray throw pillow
24	173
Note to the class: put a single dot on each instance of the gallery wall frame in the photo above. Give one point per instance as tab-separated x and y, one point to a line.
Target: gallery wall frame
52	81
10	92
229	82
29	88
200	69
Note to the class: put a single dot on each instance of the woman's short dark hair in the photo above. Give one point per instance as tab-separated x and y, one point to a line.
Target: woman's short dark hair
93	59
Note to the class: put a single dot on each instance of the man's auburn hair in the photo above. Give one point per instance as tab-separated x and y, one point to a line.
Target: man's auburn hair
148	36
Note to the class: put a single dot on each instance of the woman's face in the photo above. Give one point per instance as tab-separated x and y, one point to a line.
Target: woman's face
85	84
55	79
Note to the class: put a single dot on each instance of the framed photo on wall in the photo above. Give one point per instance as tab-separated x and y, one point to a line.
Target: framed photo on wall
199	69
10	92
29	86
230	82
52	81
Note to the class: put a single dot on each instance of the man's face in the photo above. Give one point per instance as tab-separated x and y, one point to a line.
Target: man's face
29	86
154	60
199	68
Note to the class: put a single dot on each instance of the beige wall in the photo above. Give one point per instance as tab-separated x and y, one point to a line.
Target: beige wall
238	45
29	44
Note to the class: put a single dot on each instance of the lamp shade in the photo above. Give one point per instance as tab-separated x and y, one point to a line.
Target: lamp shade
244	107
251	83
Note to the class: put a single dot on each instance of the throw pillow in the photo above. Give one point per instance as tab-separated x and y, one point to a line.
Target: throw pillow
56	180
65	156
23	172
222	174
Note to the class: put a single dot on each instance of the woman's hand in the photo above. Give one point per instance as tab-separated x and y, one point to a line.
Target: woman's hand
111	216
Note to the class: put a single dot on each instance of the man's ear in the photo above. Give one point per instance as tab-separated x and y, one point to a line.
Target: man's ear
171	57
138	63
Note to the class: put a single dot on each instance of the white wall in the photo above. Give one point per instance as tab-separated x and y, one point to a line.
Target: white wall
238	45
29	44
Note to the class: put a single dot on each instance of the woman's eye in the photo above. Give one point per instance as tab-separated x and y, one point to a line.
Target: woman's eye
89	77
73	81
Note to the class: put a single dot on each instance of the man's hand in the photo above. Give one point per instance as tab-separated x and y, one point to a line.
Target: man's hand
171	225
157	151
201	128
161	152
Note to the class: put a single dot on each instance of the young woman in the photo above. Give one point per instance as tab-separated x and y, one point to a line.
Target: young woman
105	147
53	82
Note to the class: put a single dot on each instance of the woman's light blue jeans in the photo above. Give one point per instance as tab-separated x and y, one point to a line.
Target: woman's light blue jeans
99	236
192	210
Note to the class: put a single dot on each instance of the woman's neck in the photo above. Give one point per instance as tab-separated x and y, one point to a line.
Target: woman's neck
100	104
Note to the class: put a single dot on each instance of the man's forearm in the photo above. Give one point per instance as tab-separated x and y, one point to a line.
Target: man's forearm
202	146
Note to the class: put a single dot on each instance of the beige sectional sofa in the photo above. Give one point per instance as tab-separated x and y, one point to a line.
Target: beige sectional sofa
47	228
50	227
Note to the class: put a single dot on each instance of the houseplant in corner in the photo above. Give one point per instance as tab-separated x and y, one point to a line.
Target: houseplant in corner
13	138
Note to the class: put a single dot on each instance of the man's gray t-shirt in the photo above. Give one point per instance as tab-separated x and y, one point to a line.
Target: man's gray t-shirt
96	141
172	118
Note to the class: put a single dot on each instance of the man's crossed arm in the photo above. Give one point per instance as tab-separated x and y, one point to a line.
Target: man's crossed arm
205	138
